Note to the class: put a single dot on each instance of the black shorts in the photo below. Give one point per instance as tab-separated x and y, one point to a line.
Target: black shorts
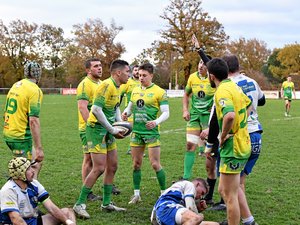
215	149
39	218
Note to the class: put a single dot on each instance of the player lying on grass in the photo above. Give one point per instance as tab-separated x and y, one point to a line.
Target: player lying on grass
180	203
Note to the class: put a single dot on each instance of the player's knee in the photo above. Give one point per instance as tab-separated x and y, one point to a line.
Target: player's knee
137	165
197	218
190	146
97	171
156	165
113	168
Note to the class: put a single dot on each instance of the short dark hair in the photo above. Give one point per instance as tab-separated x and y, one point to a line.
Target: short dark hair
88	62
218	67
118	64
148	67
134	66
203	182
232	63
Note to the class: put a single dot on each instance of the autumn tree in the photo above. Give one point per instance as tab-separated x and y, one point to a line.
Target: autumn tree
94	39
51	44
252	53
18	41
184	18
289	61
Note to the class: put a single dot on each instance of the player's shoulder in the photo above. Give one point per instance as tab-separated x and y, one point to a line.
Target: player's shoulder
193	76
158	90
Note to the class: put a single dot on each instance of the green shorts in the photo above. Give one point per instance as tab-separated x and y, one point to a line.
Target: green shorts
288	97
99	140
21	148
229	163
82	135
150	140
197	122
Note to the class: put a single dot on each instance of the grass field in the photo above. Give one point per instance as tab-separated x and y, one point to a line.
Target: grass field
272	188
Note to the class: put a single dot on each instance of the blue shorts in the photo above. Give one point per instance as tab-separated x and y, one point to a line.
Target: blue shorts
255	151
166	213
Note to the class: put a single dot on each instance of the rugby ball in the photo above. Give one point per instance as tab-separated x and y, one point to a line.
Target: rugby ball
123	126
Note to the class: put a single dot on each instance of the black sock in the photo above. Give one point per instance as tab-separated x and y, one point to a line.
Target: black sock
222	201
211	183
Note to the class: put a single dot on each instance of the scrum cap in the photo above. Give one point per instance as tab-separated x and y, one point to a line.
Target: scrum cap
17	168
32	70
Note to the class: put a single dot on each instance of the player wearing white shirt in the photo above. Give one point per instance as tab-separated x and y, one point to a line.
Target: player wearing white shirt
20	195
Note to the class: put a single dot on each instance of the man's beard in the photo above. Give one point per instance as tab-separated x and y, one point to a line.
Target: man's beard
212	84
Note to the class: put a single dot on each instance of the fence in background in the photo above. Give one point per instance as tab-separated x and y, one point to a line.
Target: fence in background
170	93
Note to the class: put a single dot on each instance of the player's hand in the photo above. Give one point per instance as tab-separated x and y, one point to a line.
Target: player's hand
39	154
209	155
119	134
202	205
124	116
150	125
224	138
204	134
186	115
195	41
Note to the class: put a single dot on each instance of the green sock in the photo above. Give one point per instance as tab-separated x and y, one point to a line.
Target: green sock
137	176
83	195
107	189
161	177
189	160
201	149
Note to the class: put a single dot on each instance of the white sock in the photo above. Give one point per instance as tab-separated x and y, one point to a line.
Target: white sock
248	220
137	192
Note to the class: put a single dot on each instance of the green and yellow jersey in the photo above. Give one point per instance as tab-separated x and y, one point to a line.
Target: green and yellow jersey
107	96
202	93
85	91
230	98
23	100
146	104
288	88
128	87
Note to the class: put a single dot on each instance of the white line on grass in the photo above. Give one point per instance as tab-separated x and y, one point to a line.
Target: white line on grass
287	118
172	131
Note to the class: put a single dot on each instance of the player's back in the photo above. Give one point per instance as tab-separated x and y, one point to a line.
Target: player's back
254	93
23	100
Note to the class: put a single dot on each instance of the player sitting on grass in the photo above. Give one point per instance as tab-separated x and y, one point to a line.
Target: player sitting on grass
20	196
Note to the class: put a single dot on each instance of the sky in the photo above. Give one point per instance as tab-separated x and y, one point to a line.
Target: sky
276	22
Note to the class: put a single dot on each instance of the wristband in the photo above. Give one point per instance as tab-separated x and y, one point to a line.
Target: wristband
208	147
69	222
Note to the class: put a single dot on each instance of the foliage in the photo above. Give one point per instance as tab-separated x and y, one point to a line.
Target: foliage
94	39
272	190
252	53
60	57
184	18
289	61
17	44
